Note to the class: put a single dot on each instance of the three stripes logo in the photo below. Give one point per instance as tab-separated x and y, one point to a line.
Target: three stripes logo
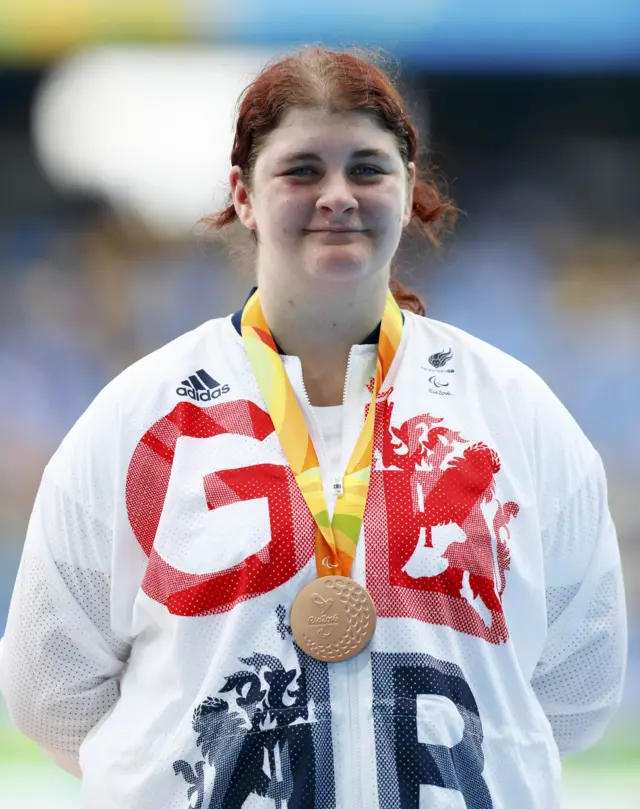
201	387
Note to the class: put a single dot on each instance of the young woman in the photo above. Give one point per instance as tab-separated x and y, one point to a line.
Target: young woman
324	552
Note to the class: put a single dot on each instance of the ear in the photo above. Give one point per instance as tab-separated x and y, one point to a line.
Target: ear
241	197
408	211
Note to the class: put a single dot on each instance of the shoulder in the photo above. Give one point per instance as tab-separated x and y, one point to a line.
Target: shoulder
510	394
174	360
470	353
144	393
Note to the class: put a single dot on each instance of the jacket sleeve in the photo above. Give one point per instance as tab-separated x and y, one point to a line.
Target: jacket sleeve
579	677
60	661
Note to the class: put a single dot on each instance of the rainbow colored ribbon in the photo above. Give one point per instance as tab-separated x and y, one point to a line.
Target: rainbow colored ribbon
336	540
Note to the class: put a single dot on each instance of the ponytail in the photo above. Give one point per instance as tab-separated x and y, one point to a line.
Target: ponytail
406	298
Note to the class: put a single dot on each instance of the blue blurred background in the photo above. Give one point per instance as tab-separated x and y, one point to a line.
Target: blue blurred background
115	128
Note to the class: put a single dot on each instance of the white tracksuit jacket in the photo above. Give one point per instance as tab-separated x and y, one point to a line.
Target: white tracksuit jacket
148	646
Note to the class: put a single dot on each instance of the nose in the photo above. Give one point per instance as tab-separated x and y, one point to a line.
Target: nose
336	196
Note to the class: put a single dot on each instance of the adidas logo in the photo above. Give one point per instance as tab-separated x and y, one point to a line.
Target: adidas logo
201	387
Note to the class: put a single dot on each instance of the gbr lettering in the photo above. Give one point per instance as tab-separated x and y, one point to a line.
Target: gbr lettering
427	479
292	527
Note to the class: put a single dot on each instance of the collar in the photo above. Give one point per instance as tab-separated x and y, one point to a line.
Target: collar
236	319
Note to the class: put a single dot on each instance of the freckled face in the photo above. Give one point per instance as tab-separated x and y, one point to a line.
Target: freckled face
329	199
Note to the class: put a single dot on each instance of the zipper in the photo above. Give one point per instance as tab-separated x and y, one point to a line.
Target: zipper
338	482
351	673
346	376
354	777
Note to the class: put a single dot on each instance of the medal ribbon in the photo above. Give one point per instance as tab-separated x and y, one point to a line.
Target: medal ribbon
336	540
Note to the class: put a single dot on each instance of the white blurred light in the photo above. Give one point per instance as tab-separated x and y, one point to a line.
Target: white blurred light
150	128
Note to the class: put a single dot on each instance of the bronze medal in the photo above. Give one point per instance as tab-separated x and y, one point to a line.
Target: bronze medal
333	618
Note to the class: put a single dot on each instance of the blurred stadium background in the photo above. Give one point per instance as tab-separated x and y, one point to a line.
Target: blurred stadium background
115	128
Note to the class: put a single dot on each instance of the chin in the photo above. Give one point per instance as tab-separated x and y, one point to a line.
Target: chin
340	266
341	272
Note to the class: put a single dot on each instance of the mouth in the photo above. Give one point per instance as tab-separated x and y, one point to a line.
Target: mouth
334	230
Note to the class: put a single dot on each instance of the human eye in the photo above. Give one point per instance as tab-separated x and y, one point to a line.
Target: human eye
301	171
366	170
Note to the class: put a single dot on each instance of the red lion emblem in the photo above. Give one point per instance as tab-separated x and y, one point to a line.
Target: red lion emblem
446	556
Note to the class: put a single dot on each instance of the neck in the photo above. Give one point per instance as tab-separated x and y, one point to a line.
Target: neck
320	327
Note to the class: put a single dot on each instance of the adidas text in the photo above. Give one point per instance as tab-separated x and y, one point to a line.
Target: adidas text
203	395
201	387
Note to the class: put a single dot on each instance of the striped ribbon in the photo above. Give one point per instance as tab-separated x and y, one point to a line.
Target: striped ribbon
336	540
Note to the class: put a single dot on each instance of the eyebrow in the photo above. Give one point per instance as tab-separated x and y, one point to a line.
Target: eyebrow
312	156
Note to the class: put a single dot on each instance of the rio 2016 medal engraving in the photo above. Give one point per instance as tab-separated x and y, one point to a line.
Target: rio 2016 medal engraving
333	618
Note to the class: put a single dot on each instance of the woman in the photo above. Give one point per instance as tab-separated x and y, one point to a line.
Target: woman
324	552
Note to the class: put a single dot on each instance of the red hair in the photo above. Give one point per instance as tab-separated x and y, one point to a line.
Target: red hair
337	81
